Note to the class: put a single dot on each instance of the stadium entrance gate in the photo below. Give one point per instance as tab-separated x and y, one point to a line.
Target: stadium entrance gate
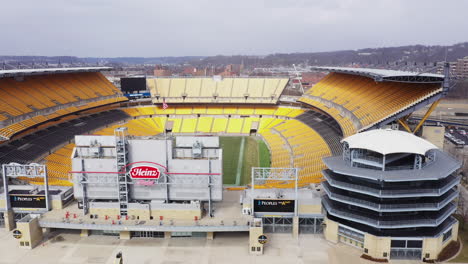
405	253
313	225
406	249
277	224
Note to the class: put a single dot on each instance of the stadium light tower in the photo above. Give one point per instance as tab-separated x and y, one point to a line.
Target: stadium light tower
298	77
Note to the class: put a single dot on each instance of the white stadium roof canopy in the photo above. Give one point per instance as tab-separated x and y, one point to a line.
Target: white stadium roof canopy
25	72
387	141
381	75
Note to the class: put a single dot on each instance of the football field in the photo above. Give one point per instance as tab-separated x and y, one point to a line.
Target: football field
240	154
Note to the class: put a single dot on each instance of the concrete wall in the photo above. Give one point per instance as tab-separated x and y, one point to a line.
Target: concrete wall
31	233
309	209
9	218
254	233
377	247
57	204
177	214
331	230
143	211
433	246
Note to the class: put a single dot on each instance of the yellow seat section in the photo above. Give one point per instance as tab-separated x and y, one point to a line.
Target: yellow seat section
168	111
247	125
146	110
265	110
229	110
58	166
42	92
280	156
308	147
188	125
369	101
216	90
176	125
204	124
183	110
213	110
199	110
245	111
235	125
219	125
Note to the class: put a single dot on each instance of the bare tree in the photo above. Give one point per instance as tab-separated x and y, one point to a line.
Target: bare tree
462	211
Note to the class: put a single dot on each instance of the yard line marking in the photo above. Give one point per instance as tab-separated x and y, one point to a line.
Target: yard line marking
240	161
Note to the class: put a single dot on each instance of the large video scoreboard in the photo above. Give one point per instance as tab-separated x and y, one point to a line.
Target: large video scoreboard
275	206
132	84
24	199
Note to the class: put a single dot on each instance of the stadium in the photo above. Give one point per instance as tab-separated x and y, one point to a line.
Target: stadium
227	154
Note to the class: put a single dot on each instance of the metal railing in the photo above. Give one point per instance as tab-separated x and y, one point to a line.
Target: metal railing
452	181
390	207
377	223
134	226
53	109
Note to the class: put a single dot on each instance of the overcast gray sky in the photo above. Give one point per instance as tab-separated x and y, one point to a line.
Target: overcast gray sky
114	28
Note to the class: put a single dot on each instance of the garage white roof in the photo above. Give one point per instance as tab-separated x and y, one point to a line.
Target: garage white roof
387	141
387	75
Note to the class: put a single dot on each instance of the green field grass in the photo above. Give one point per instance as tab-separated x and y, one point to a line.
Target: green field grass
231	148
255	154
264	154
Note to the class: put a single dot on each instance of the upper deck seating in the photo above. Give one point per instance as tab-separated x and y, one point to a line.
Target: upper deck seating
31	100
369	101
211	90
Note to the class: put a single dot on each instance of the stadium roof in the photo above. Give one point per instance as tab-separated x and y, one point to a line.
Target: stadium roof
387	141
24	72
381	75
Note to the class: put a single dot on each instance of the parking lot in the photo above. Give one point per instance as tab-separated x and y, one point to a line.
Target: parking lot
457	136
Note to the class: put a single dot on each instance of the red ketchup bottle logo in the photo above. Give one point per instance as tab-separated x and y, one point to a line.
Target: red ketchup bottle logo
144	172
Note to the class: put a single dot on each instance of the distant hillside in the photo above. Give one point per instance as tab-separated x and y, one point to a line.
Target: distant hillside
14	60
143	60
418	54
388	57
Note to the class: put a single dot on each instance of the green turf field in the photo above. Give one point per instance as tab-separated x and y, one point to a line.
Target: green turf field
255	154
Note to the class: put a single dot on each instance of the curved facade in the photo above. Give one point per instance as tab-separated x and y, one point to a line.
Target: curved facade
400	194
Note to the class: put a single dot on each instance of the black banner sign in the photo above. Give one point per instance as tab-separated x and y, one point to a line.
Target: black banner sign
28	201
277	206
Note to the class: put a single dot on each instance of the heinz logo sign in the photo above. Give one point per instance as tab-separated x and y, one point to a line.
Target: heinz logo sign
144	172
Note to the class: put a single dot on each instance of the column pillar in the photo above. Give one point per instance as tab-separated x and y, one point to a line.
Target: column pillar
210	235
295	227
84	233
255	231
125	235
9	217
